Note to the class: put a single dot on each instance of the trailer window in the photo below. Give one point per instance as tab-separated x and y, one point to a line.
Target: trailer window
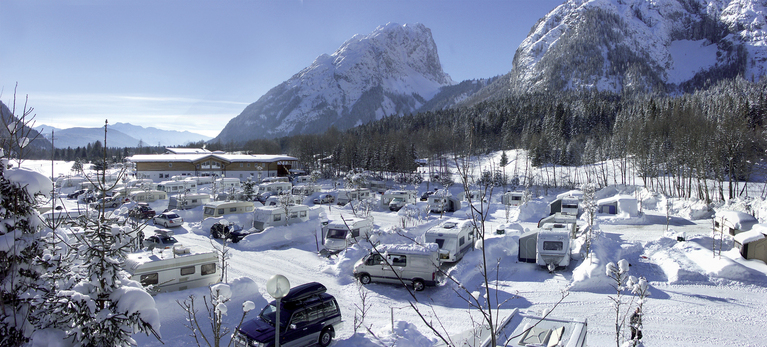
461	241
208	269
209	211
233	209
220	211
189	270
302	214
149	279
399	260
440	242
552	245
277	217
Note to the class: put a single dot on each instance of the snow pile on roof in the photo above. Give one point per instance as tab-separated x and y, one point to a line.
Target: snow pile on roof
35	182
409	248
748	237
740	220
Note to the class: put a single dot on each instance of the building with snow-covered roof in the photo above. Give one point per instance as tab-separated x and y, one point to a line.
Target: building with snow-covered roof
187	162
752	244
620	204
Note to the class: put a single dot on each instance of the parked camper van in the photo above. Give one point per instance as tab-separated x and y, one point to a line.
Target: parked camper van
347	195
228	183
567	204
223	208
553	246
339	234
414	264
454	237
439	204
173	270
275	187
394	200
178	187
279	200
305	190
148	195
268	216
569	221
187	201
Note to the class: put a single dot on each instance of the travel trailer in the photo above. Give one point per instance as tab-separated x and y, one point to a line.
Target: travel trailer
148	195
439	204
553	246
280	200
275	187
412	264
268	216
512	198
396	199
454	237
305	190
347	195
568	204
561	218
187	201
228	183
178	187
379	187
525	328
223	208
339	234
173	269
733	222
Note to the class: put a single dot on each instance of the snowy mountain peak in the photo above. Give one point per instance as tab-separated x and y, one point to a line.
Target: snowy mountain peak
642	45
393	70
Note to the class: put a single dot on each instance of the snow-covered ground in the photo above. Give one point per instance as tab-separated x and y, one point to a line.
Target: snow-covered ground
696	298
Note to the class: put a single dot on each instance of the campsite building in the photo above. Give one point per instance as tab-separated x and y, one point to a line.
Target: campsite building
752	244
201	162
619	204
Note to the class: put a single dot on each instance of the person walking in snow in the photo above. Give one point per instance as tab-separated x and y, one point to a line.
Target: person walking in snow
636	325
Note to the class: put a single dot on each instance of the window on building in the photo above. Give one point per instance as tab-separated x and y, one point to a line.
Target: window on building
170	164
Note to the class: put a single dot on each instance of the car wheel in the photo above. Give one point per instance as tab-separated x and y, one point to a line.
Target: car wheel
326	337
365	279
418	285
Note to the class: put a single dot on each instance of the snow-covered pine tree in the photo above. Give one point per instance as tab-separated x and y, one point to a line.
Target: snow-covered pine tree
20	249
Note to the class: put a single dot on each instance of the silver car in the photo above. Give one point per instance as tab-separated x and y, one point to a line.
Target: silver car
168	219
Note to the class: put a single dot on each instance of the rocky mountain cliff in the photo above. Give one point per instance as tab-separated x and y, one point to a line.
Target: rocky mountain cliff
394	70
638	45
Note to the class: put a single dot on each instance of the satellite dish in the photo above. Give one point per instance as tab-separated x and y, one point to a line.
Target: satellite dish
278	286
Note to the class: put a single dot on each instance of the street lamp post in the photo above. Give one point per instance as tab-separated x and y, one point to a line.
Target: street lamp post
277	286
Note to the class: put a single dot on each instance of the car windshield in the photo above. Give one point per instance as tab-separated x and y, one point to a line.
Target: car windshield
269	312
168	239
336	234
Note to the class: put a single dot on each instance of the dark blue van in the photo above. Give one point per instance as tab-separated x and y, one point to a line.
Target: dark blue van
308	316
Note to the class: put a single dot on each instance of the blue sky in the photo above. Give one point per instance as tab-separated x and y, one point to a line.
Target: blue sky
194	65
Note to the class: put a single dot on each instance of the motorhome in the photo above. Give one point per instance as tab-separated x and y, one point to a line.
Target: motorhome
148	195
439	204
339	234
302	179
178	187
379	187
187	201
553	246
396	199
347	195
455	237
513	198
223	208
140	182
567	204
268	216
417	265
173	269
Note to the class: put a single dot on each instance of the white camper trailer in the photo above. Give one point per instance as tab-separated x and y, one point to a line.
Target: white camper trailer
148	195
570	222
223	208
339	234
512	198
187	201
347	195
276	187
733	222
439	204
268	216
553	246
228	183
455	237
173	269
396	199
525	328
178	187
567	204
305	190
280	200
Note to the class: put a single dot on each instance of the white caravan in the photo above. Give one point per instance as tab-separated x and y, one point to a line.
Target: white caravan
305	189
412	264
454	237
280	200
228	183
439	204
187	201
396	199
341	233
178	187
347	195
567	204
513	198
148	195
173	269
268	216
276	187
223	208
553	246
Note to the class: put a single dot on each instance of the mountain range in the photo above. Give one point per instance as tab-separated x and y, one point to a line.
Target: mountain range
119	135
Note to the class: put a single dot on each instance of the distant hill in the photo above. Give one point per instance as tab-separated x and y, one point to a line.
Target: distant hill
119	135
